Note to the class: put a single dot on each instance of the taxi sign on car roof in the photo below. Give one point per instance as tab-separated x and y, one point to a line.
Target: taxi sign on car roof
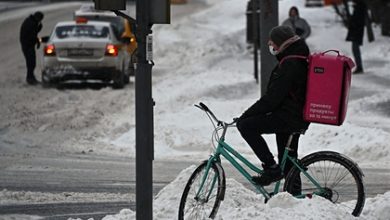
81	20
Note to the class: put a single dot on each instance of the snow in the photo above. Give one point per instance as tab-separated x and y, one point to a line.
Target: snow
9	15
22	197
242	203
203	57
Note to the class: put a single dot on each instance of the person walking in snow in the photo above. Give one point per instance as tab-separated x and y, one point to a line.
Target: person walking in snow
279	110
28	37
355	34
298	24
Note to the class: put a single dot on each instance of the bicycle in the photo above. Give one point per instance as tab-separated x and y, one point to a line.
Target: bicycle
309	176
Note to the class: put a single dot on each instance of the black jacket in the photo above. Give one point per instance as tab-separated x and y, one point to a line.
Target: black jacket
356	23
286	89
29	32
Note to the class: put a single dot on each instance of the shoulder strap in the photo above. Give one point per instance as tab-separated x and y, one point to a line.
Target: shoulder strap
293	96
292	56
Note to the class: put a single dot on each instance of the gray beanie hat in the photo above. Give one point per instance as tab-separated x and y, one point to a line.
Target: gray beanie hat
280	34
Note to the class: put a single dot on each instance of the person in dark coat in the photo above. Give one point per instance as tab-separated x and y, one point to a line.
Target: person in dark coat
355	34
280	110
29	30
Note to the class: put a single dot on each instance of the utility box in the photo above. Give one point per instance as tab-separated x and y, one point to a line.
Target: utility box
160	12
250	35
386	20
110	4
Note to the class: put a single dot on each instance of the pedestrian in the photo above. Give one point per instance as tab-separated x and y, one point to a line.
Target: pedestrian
355	34
298	24
29	30
279	110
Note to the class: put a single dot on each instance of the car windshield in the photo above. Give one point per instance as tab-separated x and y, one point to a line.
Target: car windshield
88	31
116	22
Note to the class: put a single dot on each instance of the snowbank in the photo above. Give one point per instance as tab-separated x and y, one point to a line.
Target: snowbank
241	203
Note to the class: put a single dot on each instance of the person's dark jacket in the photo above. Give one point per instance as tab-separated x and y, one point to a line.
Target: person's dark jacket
29	32
356	23
286	89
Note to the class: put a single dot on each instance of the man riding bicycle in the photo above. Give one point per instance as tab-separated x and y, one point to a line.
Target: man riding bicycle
279	110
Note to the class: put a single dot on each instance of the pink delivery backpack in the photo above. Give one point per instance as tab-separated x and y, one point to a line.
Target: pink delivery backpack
328	83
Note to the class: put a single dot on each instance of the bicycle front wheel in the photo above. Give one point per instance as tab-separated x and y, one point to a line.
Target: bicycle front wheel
202	202
339	177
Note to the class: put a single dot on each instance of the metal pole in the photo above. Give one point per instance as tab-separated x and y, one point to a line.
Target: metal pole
144	117
268	20
255	28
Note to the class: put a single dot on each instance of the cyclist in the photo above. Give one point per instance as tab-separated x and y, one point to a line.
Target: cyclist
279	110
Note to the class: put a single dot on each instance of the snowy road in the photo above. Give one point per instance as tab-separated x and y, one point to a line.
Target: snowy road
108	178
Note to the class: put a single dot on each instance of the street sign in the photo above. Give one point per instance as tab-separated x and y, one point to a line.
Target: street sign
110	4
149	48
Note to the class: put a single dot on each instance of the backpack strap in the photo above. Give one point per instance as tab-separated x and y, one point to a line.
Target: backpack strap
294	97
291	57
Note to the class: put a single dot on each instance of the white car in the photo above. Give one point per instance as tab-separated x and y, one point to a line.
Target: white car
123	28
84	50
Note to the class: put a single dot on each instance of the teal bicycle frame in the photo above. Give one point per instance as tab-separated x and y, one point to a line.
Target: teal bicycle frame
231	155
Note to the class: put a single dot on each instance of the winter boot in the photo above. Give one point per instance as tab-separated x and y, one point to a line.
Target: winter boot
271	174
32	81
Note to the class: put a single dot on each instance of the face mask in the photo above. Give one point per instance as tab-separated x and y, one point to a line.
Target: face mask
273	51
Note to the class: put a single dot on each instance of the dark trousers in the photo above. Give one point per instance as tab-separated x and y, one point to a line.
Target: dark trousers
251	129
357	55
29	55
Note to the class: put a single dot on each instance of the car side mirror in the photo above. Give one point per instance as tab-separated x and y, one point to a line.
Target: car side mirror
45	39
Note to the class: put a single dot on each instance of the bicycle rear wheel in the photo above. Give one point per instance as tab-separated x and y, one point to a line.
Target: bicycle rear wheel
340	179
204	205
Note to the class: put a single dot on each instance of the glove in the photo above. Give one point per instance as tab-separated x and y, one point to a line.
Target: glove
38	45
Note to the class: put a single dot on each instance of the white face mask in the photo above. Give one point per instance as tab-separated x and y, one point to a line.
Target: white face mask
273	51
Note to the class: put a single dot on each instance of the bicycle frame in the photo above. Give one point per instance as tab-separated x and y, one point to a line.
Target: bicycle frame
233	157
223	149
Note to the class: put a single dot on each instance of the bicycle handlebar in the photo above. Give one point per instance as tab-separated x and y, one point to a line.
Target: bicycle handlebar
219	122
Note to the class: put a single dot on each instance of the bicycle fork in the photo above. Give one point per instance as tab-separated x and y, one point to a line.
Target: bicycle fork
221	172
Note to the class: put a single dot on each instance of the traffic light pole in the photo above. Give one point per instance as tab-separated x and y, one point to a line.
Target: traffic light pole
144	116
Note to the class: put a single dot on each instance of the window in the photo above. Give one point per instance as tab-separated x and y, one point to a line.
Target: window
87	31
